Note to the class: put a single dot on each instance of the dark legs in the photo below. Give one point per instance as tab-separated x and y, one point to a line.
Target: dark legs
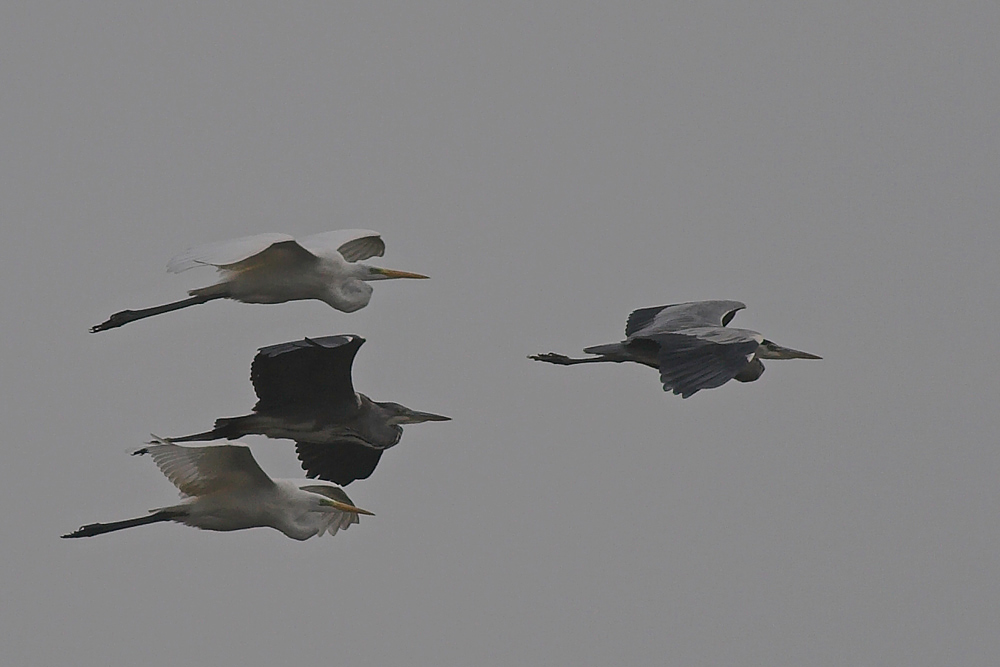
100	528
126	316
563	360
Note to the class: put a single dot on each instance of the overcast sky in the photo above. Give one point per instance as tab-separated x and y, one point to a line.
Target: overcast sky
552	166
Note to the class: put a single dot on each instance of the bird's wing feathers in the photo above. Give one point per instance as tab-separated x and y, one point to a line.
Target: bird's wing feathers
198	471
703	358
328	490
305	371
354	245
337	520
640	318
681	316
341	462
225	253
273	248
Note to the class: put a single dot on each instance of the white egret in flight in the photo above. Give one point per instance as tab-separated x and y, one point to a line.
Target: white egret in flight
224	489
690	345
275	268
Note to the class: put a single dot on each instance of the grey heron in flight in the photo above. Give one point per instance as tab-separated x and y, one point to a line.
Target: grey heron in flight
275	268
690	345
223	488
305	393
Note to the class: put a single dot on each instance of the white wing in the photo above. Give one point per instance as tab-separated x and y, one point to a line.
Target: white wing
354	245
338	520
197	471
223	253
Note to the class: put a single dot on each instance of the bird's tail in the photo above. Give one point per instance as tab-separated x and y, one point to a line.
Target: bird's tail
92	529
125	316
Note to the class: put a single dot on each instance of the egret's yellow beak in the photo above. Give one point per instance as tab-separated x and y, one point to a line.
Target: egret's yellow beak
345	507
392	273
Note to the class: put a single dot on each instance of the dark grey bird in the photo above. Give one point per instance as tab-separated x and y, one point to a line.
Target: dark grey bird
305	393
690	345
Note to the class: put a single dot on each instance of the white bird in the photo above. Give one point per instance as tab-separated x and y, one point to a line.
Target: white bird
275	268
224	489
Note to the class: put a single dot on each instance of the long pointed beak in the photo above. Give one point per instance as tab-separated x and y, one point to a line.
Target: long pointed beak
778	352
414	417
344	507
392	273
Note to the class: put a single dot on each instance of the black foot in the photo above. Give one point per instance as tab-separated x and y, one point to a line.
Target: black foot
552	358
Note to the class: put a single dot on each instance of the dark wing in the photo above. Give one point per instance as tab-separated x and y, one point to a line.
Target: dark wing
680	316
690	363
305	371
641	318
340	463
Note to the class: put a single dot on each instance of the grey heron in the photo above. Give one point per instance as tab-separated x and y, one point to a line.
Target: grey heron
690	345
275	268
223	488
305	393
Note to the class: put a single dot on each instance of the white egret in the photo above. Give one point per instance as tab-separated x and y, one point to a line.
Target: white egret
275	268
224	489
306	394
690	346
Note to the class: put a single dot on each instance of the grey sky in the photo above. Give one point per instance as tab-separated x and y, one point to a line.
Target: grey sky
551	167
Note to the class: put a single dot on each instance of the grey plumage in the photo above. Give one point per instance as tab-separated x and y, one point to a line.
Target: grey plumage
690	345
306	394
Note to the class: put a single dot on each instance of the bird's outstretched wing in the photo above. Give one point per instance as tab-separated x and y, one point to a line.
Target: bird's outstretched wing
197	471
312	370
338	520
341	462
646	322
640	319
703	358
225	253
354	245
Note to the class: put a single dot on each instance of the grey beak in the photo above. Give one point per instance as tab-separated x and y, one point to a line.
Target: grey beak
778	352
414	417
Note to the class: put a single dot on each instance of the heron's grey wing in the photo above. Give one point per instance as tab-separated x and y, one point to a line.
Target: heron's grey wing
639	319
711	358
681	316
354	245
197	471
312	370
225	253
341	462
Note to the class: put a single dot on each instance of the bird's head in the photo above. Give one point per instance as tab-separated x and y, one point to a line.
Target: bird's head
770	350
400	415
348	289
368	272
329	504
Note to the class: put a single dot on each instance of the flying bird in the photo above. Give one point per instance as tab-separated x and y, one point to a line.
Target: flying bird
690	345
305	393
224	489
275	268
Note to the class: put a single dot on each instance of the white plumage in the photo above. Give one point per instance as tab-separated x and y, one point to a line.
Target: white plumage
223	488
275	268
